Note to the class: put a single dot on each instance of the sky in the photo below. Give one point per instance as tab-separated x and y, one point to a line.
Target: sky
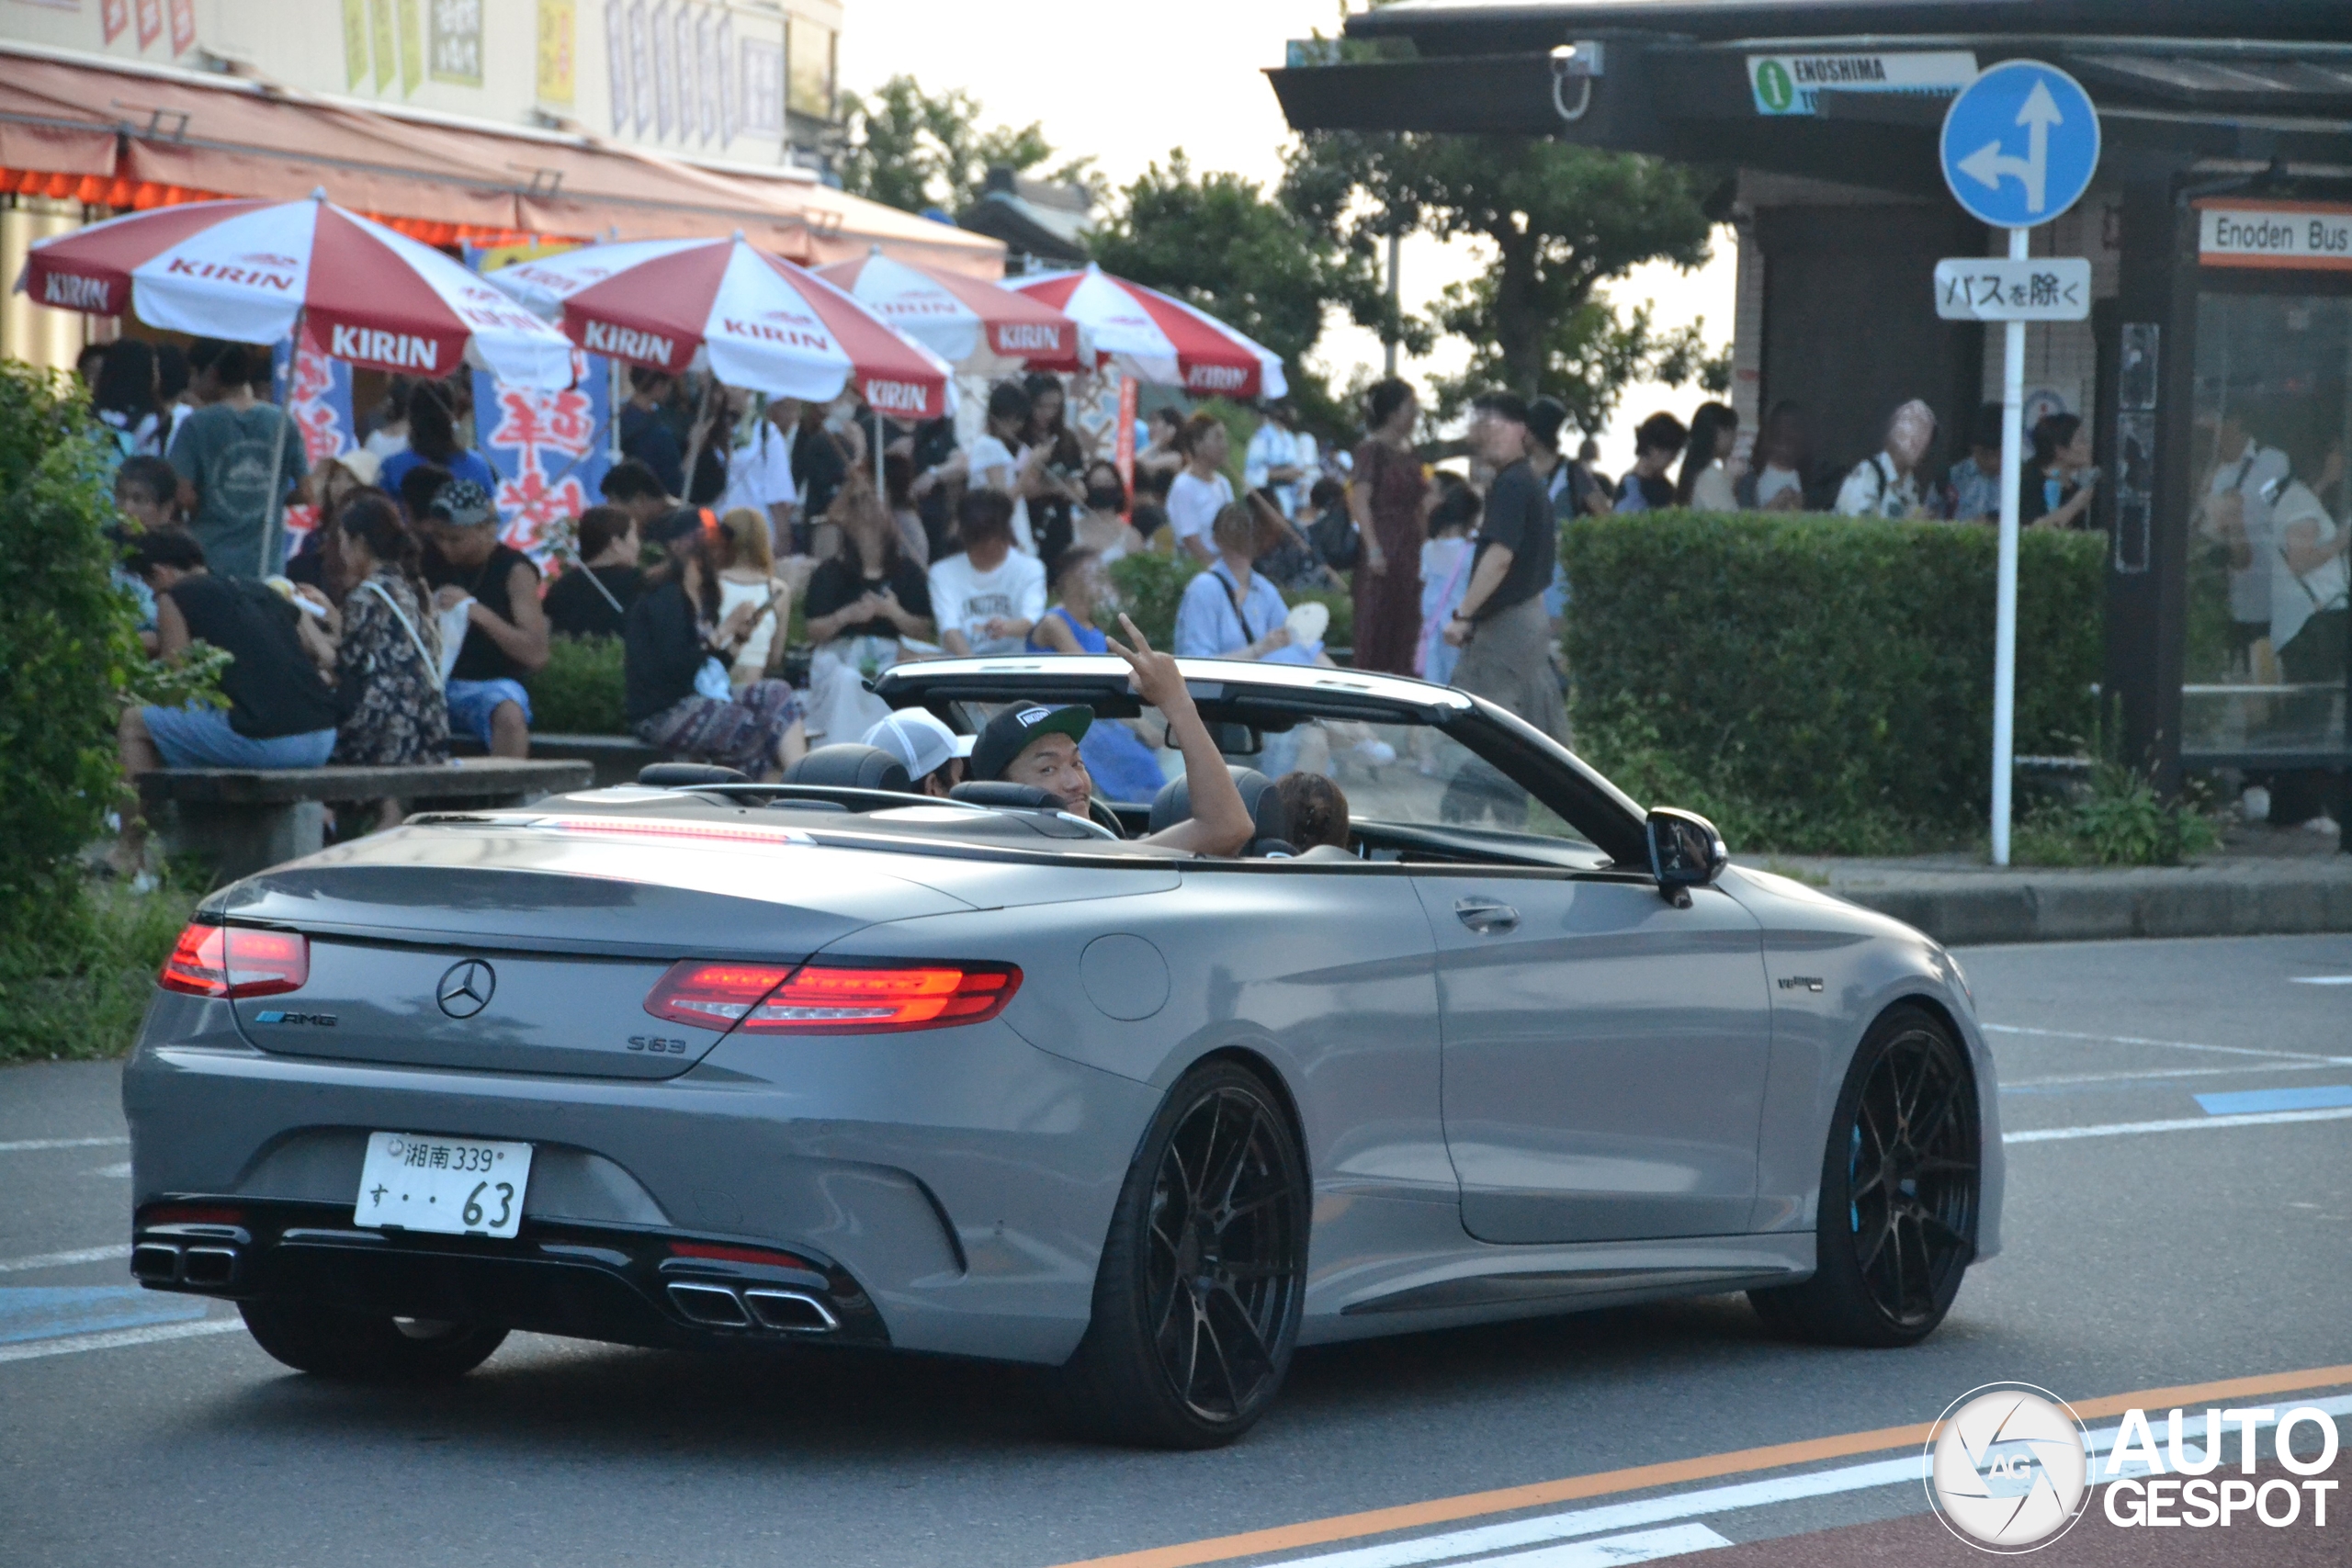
1127	82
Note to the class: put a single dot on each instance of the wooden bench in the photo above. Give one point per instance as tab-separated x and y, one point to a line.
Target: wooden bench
243	819
615	757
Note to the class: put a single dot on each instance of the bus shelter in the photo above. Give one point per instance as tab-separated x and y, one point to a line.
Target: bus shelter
2215	370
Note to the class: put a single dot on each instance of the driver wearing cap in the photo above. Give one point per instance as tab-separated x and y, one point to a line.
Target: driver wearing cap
1036	744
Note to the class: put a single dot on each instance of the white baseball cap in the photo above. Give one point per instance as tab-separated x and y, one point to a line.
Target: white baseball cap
919	739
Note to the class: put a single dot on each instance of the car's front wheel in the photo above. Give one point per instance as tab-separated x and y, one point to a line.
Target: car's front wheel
331	1342
1196	1304
1899	1184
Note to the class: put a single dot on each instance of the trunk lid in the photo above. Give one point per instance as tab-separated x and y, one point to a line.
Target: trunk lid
539	961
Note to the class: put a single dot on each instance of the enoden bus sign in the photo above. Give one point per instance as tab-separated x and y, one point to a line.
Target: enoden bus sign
2275	233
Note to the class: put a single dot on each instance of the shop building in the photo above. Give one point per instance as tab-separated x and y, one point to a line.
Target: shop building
2215	370
499	121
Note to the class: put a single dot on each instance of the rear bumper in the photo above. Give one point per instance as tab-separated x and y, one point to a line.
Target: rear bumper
963	1179
653	1288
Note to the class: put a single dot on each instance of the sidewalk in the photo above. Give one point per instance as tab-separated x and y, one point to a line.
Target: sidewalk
2262	883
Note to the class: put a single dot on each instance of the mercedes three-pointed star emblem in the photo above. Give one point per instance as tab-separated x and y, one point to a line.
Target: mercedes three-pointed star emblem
467	989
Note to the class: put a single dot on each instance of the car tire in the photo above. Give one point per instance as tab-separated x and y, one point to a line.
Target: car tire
1900	1183
331	1342
1196	1302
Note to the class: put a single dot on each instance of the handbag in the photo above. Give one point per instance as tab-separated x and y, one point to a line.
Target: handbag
1335	536
453	627
711	682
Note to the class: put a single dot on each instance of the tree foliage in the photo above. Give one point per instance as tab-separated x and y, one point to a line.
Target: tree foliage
911	150
1561	221
68	639
1218	242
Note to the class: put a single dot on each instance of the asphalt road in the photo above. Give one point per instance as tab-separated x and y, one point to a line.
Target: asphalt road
2190	1251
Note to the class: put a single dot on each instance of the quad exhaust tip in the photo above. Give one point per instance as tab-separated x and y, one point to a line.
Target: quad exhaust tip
719	1306
167	1263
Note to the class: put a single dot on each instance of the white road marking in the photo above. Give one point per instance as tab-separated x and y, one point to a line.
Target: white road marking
63	1259
118	1338
23	1145
122	1170
2168	1044
2169	1073
2180	1125
2320	979
1644	1546
1488	1539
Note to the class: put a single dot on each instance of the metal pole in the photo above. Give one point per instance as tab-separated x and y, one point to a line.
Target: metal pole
2004	613
273	545
1394	304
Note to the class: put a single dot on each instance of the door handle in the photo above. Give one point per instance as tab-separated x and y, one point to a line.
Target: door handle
1484	915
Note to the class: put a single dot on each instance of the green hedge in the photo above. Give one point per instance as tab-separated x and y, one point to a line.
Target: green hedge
1820	683
69	646
579	690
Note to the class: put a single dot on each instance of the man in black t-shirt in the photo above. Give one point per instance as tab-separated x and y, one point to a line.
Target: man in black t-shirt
506	628
281	713
1501	627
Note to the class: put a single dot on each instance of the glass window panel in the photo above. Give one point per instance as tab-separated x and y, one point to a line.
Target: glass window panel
2265	667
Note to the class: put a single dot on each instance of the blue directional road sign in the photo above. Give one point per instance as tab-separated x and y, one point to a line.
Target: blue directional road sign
2021	144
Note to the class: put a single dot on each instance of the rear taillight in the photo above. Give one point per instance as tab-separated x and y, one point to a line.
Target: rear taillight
229	961
832	999
840	1000
712	996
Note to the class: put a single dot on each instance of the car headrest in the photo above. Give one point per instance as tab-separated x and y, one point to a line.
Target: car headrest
852	767
1174	804
686	775
997	792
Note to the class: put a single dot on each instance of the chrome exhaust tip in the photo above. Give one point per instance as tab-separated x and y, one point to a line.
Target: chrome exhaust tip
155	1263
790	1312
713	1306
211	1265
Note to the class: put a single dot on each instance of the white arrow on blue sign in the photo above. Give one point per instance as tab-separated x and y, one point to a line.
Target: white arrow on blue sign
2021	144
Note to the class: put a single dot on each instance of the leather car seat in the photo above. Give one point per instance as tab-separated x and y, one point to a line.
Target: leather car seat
852	767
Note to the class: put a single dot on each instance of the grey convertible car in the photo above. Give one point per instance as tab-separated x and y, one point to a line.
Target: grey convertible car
701	1063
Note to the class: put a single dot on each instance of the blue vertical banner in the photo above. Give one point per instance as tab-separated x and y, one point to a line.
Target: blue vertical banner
315	392
548	449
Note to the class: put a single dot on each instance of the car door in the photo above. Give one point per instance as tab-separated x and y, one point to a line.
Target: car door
1603	1053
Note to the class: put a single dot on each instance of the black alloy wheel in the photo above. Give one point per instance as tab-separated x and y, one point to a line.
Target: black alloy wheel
1899	1190
1196	1306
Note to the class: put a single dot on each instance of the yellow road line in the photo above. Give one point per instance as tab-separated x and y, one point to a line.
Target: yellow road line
1510	1499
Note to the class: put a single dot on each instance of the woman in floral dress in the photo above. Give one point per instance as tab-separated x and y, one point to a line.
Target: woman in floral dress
387	664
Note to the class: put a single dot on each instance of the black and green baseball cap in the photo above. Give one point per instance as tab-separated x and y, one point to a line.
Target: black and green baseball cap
1011	731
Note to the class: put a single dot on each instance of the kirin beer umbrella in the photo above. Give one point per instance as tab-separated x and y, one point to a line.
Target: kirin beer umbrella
1156	338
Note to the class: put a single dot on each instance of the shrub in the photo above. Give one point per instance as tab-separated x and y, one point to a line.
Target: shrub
68	641
1149	586
82	990
578	691
1819	684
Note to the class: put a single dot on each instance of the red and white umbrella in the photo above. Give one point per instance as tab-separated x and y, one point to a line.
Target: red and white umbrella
246	270
970	323
753	319
1154	338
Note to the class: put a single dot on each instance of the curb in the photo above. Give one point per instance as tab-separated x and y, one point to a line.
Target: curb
1959	909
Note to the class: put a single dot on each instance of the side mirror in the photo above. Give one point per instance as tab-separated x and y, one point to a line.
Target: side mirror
1685	852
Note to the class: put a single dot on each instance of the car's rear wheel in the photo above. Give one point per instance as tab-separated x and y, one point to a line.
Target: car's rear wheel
1899	1186
331	1342
1196	1304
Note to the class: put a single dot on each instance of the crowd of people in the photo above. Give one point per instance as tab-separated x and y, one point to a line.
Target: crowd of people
404	618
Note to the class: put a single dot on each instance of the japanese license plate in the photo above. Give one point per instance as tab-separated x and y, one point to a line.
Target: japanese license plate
462	1186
